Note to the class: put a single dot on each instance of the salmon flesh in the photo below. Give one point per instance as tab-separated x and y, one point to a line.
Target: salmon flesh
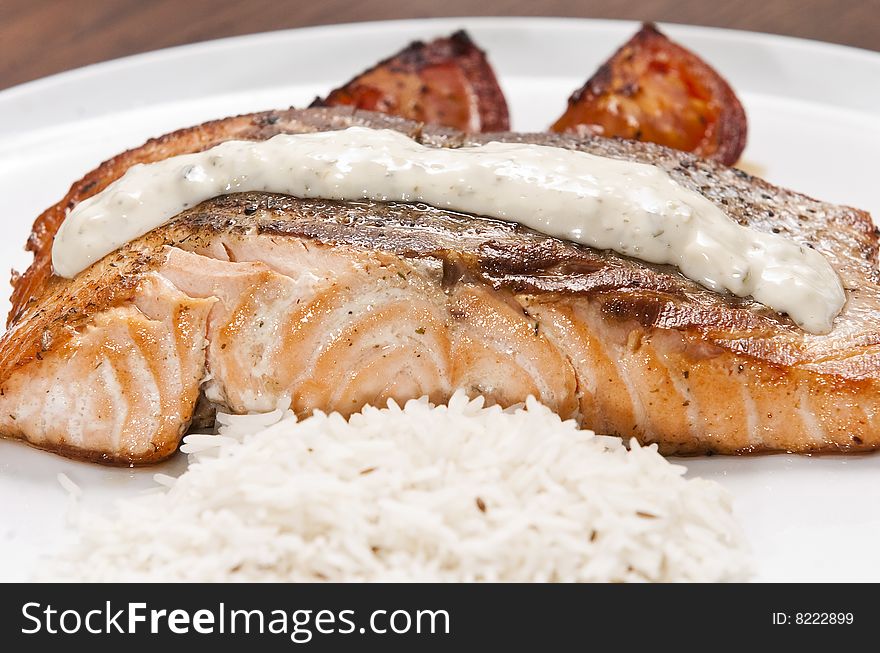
251	299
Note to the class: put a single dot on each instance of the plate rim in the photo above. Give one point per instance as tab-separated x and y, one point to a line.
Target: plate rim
162	56
483	21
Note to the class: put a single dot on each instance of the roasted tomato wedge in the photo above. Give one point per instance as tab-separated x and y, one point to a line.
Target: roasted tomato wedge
445	82
655	90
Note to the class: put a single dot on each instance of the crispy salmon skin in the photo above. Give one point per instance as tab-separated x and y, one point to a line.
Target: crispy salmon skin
253	298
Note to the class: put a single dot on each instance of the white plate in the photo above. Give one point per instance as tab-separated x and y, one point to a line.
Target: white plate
813	126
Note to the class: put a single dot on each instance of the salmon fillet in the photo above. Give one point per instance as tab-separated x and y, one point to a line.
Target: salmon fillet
250	299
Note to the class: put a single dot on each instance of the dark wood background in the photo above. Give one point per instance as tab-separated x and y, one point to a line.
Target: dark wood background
41	37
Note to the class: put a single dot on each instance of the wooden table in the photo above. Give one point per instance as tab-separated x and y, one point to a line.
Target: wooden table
41	37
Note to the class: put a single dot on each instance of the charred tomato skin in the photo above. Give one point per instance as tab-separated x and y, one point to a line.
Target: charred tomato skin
446	82
653	89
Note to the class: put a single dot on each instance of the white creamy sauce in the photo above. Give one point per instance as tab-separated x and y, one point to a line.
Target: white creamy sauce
634	209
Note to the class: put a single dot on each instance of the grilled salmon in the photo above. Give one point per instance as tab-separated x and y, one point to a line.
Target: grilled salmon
253	298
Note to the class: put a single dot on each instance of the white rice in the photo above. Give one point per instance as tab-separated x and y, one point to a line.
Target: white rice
72	489
448	493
